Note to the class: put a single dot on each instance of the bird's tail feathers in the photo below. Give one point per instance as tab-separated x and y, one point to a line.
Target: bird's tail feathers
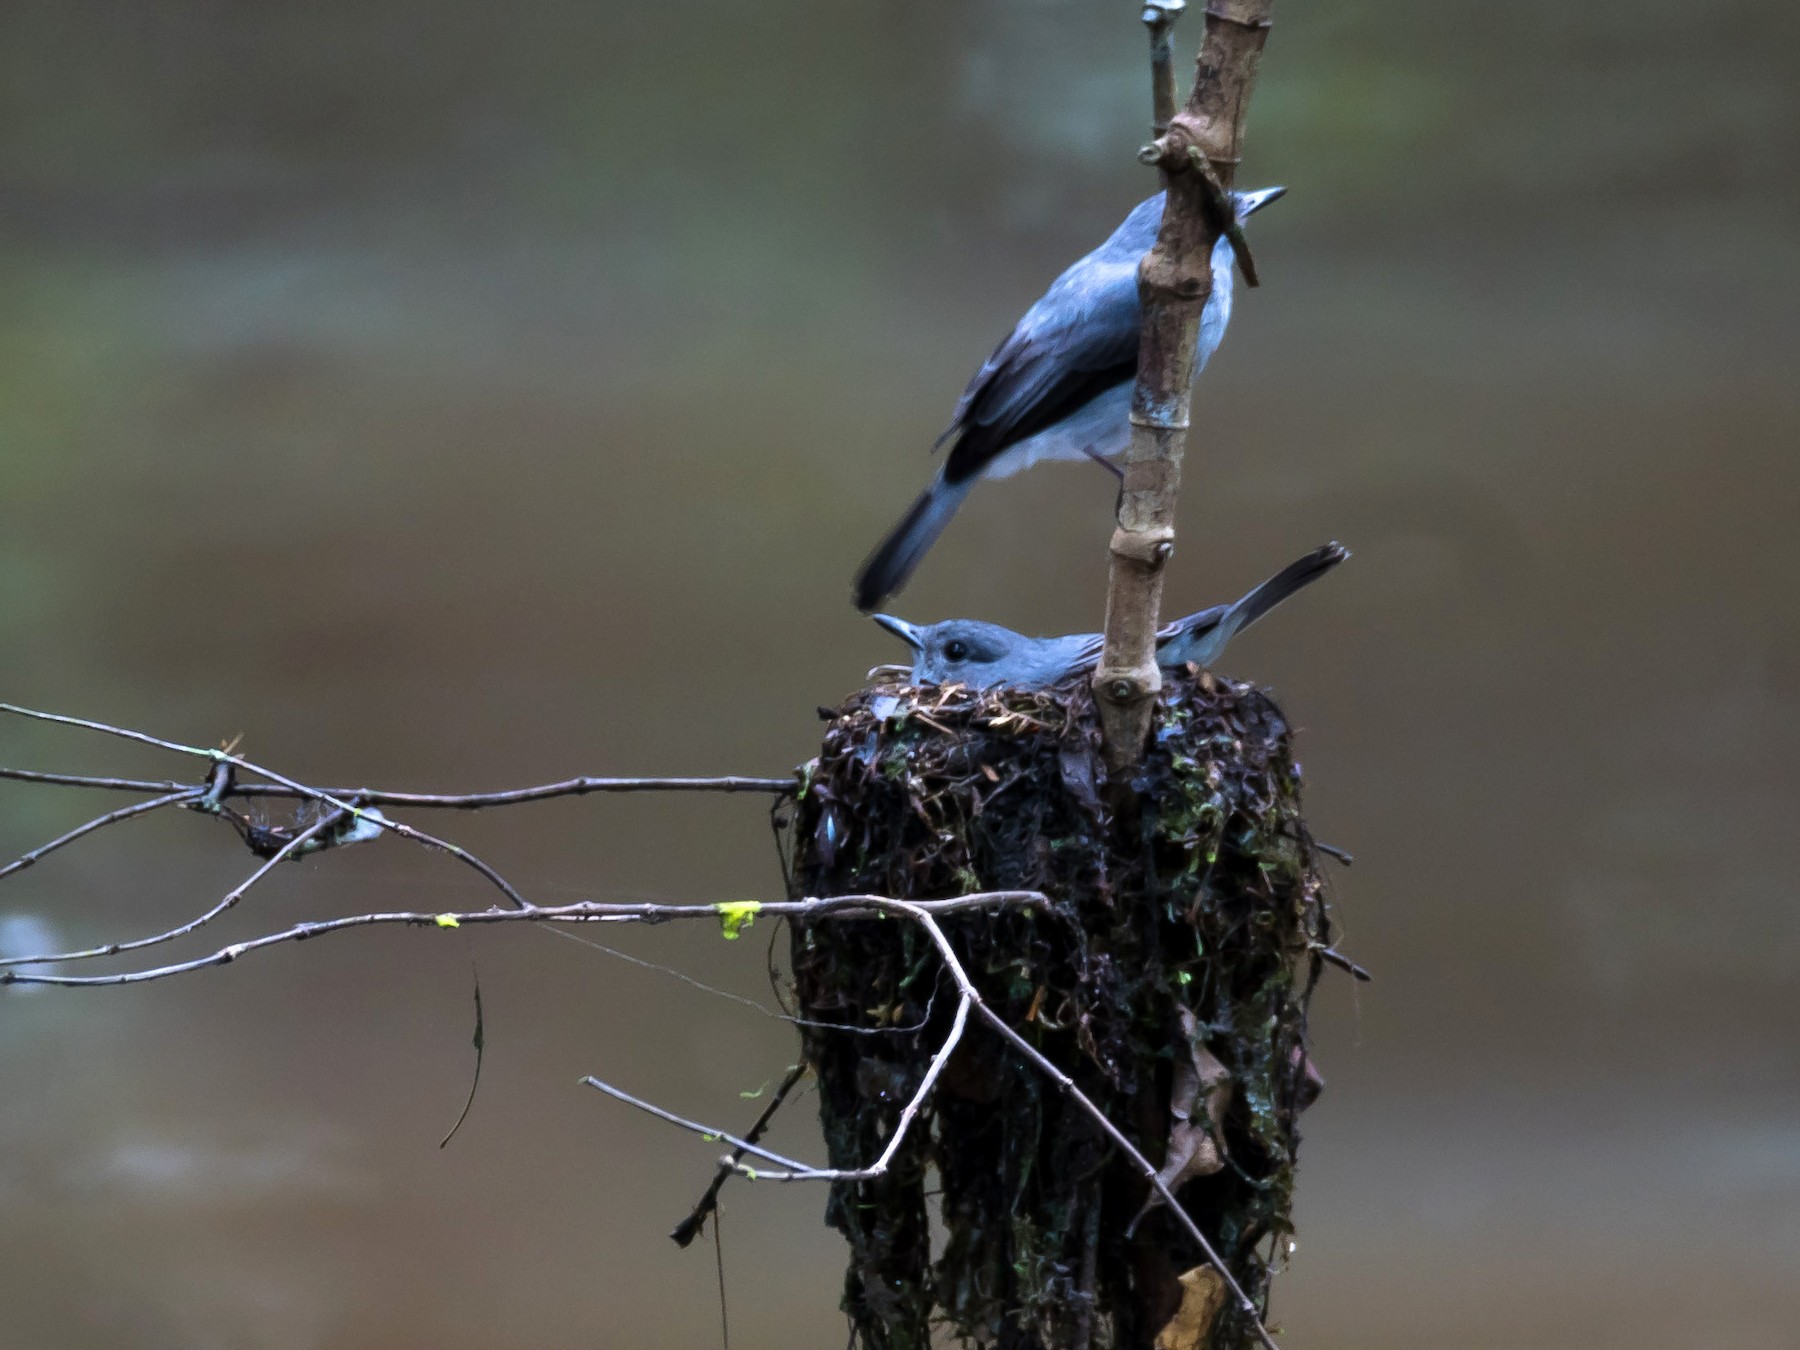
1203	637
886	569
1297	574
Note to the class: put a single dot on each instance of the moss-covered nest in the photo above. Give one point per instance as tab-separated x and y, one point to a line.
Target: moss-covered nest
1185	919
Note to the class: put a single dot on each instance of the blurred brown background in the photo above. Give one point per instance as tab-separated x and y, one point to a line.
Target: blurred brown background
351	355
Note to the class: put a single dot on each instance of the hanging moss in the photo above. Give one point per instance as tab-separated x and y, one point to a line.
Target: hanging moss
1192	887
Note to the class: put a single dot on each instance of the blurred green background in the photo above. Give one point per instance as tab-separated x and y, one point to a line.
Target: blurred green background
451	396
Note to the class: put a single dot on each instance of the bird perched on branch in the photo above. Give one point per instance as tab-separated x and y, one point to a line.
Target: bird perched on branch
986	656
1058	387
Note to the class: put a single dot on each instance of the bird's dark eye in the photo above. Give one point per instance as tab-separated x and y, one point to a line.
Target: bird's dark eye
956	649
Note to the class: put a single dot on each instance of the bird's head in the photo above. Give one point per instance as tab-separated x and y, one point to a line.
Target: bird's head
956	651
1249	203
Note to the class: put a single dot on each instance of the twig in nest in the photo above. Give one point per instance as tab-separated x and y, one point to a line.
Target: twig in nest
1332	956
1333	851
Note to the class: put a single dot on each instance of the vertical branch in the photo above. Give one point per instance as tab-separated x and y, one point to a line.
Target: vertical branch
1198	155
1159	17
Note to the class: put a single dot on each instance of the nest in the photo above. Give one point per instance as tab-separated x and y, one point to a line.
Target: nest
1185	918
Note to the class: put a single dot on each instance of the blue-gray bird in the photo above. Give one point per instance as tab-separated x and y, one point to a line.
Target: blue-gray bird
1058	387
987	656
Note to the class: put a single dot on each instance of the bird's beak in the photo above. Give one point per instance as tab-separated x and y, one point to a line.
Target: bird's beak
901	629
1249	203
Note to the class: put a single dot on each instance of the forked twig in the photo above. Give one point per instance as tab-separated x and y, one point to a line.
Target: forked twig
706	1132
797	1171
688	1229
355	804
356	801
318	827
787	1169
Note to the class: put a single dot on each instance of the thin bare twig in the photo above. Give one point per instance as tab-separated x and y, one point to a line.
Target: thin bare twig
587	911
695	1127
774	1014
454	801
798	1171
344	803
106	728
350	807
319	826
688	1229
908	1114
25	860
570	787
89	781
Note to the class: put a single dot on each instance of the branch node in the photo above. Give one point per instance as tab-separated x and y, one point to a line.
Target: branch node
1129	688
1150	548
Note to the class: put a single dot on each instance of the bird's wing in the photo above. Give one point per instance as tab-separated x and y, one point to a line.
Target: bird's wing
1052	659
1076	342
1085	648
1197	622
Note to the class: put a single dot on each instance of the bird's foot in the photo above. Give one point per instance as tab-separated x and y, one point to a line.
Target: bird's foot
1106	464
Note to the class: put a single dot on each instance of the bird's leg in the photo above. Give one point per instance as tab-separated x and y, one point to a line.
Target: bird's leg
1104	463
1114	470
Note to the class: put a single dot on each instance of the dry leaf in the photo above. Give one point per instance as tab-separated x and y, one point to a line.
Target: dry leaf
1202	1295
1197	1100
